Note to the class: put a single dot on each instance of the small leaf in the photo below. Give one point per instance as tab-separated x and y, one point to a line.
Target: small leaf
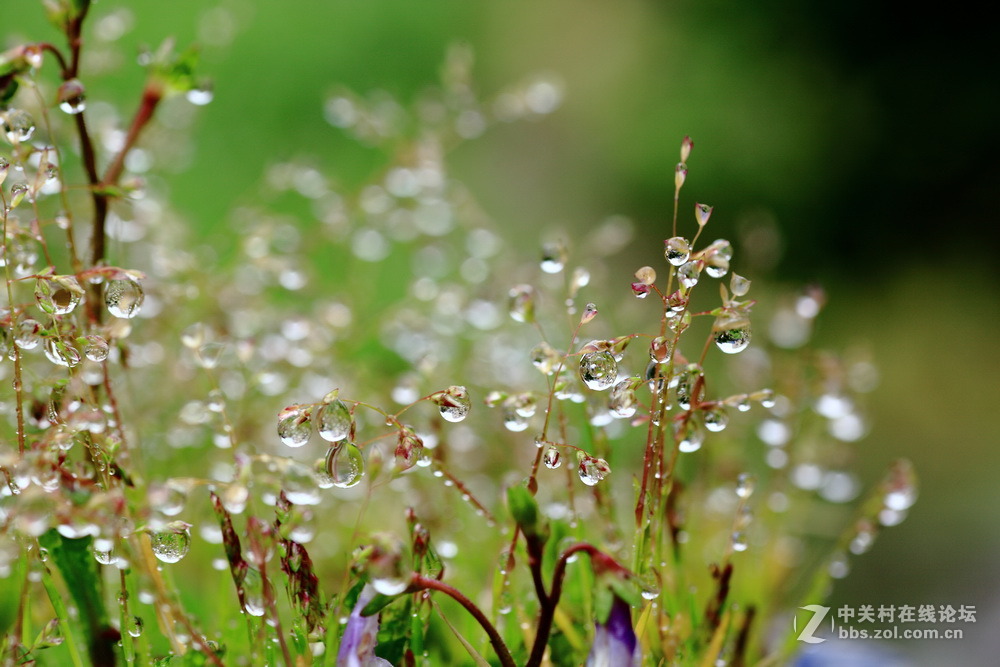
523	508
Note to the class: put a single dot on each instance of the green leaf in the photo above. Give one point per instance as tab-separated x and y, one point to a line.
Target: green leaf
80	571
523	508
377	604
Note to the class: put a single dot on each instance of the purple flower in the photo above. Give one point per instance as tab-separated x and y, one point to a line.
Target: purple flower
615	643
357	645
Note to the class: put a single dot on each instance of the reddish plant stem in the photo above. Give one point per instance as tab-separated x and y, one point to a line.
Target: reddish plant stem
600	562
420	582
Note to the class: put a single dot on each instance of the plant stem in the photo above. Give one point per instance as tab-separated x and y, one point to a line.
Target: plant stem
420	582
600	561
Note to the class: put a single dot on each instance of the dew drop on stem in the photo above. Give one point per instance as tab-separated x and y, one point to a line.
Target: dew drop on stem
96	348
171	544
732	337
72	97
295	425
333	421
454	403
345	464
677	250
598	370
18	126
123	297
592	470
552	458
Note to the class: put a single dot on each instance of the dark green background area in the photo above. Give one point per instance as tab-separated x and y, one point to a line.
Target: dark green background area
869	136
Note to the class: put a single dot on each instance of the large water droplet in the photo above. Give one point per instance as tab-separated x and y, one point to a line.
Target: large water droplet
545	358
96	348
389	585
716	418
409	449
733	336
739	285
58	295
72	97
295	425
135	626
61	352
716	266
553	257
300	485
593	470
739	540
552	458
598	370
521	303
18	126
689	273
622	401
171	544
333	420
454	403
677	250
345	465
689	435
124	297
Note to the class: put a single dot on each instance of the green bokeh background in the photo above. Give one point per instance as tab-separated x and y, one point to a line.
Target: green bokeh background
869	139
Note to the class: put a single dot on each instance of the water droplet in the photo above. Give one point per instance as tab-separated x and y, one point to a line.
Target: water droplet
300	485
552	458
72	97
745	485
545	358
716	418
640	290
345	464
409	449
766	398
512	419
200	96
96	348
900	486
61	352
333	421
593	470
171	544
553	257
839	567
622	401
864	538
739	285
295	425
135	626
732	336
689	435
716	266
58	295
677	250
124	297
453	403
661	349
739	541
18	126
686	380
689	273
389	585
598	370
521	303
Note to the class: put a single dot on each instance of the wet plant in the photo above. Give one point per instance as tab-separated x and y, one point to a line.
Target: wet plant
425	451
